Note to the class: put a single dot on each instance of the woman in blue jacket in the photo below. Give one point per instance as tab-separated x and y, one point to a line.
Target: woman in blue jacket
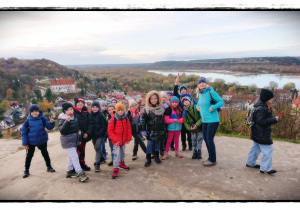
208	104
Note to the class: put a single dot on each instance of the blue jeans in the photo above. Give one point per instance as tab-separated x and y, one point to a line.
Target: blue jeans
209	132
111	148
266	158
149	146
103	150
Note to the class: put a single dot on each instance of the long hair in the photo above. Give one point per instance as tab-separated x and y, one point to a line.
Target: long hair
270	107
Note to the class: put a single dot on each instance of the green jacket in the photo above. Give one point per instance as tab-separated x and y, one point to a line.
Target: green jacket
188	120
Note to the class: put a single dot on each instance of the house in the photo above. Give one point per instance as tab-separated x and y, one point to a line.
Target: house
228	95
282	95
14	104
8	112
63	86
7	123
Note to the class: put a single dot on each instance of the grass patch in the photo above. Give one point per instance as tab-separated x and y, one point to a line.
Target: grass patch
248	137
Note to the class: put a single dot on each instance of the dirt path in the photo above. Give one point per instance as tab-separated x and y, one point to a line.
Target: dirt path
174	179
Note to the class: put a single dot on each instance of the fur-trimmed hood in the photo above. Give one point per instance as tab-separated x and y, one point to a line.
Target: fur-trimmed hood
149	96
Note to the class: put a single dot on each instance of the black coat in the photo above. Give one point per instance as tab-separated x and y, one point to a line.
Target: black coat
135	128
100	125
69	133
85	123
263	119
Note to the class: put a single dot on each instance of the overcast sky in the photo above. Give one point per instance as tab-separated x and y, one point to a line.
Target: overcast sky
120	37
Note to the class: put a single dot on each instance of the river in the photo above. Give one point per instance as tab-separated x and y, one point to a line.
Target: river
243	78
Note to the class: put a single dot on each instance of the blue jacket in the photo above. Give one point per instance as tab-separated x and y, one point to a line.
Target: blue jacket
204	104
33	131
169	120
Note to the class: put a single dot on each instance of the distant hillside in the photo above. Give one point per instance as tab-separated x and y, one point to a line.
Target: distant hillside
255	64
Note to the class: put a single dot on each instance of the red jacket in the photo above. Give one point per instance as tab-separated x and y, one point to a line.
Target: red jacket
121	132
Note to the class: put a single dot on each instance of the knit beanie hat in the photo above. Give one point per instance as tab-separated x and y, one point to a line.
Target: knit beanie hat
34	107
174	100
111	105
202	79
182	86
169	93
114	100
96	103
103	103
66	106
131	102
163	94
266	95
76	100
119	106
185	99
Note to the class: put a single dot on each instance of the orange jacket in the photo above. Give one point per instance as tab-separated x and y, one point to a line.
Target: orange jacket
121	132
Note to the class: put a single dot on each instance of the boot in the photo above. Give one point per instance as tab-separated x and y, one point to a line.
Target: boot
166	156
199	154
50	169
82	177
115	173
177	153
85	167
123	166
26	173
97	167
148	162
194	154
156	158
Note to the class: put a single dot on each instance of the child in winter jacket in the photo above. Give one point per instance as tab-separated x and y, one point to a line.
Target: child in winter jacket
174	121
69	130
99	132
119	131
192	122
34	135
261	133
111	114
134	118
103	150
152	124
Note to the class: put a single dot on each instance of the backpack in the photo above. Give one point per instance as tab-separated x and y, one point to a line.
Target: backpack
249	117
213	102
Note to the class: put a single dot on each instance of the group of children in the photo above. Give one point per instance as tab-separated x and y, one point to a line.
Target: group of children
160	119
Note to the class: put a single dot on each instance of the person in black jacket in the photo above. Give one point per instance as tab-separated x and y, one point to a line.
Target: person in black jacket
261	133
99	131
85	123
68	127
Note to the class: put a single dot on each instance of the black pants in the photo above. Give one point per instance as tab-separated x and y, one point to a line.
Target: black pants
138	141
184	131
30	153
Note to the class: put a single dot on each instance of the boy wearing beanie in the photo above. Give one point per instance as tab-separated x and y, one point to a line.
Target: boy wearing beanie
119	131
99	132
69	130
261	133
34	135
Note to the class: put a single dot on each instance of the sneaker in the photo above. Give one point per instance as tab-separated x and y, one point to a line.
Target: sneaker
208	163
97	167
134	157
26	173
50	169
115	173
82	177
123	166
110	163
256	166
269	172
71	174
85	168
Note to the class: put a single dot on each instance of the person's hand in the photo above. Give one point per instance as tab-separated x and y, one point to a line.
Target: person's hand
277	118
68	118
116	144
26	147
144	133
198	108
210	109
177	80
85	135
176	120
194	127
165	106
51	120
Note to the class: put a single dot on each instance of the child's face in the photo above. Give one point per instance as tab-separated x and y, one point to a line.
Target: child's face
70	111
111	110
95	109
153	100
169	97
80	105
104	108
114	102
120	112
35	113
186	103
143	103
134	107
164	99
183	91
174	104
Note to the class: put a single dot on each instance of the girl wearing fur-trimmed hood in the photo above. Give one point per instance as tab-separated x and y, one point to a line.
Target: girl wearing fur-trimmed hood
153	125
